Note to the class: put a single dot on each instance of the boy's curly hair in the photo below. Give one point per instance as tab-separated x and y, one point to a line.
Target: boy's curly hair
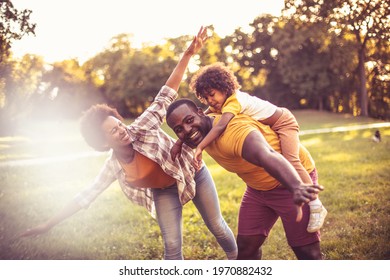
91	125
214	76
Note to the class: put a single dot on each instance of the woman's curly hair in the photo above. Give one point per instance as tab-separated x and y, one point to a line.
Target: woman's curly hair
214	76
91	125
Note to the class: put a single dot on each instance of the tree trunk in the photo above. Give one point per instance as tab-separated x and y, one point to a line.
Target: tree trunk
320	103
363	87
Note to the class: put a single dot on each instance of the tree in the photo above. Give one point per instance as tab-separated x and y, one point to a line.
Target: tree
368	20
253	58
14	25
129	78
20	86
379	79
66	91
314	63
105	69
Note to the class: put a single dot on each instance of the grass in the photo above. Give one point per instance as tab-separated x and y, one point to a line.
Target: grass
311	119
354	170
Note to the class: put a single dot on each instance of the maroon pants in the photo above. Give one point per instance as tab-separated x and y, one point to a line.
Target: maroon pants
260	209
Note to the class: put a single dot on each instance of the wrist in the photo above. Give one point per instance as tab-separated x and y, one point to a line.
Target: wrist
295	186
188	53
48	225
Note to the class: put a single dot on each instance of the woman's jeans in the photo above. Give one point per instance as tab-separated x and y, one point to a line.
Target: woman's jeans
169	216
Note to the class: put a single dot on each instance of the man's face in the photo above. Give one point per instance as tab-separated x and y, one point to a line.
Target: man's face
189	125
115	133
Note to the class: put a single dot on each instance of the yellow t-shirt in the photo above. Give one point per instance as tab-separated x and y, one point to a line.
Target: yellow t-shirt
227	151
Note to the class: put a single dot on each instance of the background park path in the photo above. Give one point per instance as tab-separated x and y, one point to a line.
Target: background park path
70	157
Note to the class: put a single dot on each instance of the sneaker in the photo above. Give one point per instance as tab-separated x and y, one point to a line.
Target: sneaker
317	218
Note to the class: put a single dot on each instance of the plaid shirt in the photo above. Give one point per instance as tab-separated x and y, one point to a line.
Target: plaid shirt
150	140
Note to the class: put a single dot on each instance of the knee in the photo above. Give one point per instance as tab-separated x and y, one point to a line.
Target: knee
218	227
249	247
308	252
173	249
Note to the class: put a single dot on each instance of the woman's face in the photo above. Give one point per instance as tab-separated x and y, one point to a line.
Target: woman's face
115	132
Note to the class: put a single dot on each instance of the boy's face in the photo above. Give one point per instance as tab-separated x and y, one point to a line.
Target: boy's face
115	132
215	99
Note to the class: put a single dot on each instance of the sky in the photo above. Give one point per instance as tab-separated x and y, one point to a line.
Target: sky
82	28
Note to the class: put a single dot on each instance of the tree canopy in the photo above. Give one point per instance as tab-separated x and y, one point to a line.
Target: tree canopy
367	20
327	55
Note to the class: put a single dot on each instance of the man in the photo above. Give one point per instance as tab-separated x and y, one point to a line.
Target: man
274	188
146	174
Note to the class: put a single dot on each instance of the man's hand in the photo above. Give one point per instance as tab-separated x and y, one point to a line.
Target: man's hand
175	151
304	194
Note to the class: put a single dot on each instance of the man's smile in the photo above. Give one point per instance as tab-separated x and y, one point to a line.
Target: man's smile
193	135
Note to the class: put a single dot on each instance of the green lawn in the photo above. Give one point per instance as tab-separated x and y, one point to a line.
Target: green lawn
354	170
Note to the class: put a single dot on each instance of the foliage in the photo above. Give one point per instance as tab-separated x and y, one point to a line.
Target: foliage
14	24
129	77
317	55
257	61
325	62
367	20
19	91
66	91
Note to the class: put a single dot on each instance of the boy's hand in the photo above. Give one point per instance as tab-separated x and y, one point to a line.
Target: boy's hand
197	161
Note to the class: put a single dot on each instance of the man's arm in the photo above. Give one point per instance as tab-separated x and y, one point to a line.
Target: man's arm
257	151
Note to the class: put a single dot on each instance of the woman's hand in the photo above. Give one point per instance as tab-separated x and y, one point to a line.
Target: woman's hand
198	42
40	229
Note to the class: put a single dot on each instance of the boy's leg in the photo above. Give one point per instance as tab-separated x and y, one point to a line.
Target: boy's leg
287	129
317	210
